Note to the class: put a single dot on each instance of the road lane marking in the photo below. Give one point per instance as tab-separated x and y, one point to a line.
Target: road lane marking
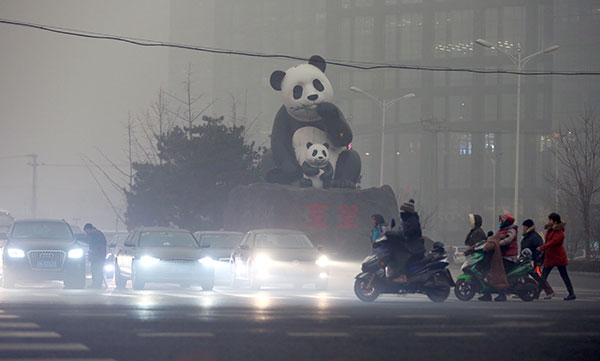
19	325
175	334
91	314
450	334
519	324
421	316
28	346
518	315
5	317
57	359
318	334
570	334
28	334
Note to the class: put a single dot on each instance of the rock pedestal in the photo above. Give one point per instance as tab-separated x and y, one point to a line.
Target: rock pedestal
338	219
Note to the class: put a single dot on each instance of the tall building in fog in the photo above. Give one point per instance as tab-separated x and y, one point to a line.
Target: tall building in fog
453	145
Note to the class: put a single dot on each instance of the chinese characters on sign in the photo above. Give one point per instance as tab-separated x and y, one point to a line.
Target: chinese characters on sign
317	214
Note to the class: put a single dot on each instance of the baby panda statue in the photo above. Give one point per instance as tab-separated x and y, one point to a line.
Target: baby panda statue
308	116
317	169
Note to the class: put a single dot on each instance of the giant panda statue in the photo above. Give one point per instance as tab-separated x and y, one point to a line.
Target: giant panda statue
308	116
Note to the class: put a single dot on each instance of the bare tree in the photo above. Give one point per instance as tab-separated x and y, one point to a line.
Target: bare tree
427	214
577	151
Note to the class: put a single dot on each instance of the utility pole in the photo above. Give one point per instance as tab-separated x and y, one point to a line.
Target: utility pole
34	164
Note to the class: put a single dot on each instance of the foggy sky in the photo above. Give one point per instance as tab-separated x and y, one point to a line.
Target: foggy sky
62	96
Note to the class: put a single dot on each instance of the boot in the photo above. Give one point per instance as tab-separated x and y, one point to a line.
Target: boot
570	297
486	297
501	298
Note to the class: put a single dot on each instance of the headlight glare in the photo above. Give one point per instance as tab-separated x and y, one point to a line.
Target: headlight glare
322	261
76	253
15	253
206	261
109	267
148	261
263	261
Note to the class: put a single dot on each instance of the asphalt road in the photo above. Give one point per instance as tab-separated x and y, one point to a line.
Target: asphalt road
167	323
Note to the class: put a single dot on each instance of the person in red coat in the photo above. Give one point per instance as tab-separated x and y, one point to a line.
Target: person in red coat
554	252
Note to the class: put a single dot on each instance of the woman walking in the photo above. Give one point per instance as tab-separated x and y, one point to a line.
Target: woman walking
555	254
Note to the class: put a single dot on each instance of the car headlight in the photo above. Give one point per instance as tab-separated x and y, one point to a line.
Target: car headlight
322	261
206	261
76	253
148	261
15	253
262	261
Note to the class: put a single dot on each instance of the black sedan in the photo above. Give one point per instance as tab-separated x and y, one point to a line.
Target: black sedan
42	249
270	256
163	255
220	244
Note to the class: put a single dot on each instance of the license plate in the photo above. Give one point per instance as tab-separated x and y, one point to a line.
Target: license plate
46	264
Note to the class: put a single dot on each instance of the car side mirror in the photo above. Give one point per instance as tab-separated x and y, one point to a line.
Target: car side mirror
129	244
205	245
245	247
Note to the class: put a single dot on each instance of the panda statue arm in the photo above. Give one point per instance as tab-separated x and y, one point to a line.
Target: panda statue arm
309	170
337	128
281	145
327	174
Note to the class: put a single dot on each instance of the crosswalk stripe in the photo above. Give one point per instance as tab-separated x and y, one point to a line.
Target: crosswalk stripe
570	334
6	317
449	334
19	325
175	334
28	346
318	334
57	359
28	334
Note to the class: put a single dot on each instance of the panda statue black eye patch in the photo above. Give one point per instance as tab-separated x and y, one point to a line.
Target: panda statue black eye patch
318	85
314	152
297	92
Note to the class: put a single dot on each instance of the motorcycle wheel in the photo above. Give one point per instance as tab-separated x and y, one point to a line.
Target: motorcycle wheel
464	290
439	293
364	292
530	291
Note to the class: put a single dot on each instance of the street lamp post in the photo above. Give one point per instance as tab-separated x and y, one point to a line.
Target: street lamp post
383	105
519	63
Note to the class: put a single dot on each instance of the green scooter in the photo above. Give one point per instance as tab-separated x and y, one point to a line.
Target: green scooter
474	279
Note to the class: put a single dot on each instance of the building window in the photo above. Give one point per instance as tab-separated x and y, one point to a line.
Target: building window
545	142
411	36
490	142
465	145
490	108
453	33
364	37
459	108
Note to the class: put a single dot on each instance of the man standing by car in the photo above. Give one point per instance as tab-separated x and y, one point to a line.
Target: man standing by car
97	242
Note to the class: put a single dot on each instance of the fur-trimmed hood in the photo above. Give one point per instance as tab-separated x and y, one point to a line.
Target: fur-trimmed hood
556	227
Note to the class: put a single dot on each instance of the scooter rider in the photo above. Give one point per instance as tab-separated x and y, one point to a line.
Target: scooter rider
509	247
413	248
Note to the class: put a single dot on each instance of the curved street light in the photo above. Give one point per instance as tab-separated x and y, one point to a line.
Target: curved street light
383	105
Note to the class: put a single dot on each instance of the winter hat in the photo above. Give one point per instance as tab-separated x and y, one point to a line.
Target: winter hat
88	226
528	223
408	207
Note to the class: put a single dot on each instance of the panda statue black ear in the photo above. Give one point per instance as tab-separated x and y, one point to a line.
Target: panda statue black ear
326	145
276	79
308	145
317	61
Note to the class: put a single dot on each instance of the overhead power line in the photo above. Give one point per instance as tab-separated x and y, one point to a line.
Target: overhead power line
341	63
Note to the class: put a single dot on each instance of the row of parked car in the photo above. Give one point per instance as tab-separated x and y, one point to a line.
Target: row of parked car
47	249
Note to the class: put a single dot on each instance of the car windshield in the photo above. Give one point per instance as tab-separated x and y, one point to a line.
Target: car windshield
282	240
220	240
42	230
167	239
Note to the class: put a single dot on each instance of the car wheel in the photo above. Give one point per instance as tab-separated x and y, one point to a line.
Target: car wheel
207	284
120	281
136	282
8	281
